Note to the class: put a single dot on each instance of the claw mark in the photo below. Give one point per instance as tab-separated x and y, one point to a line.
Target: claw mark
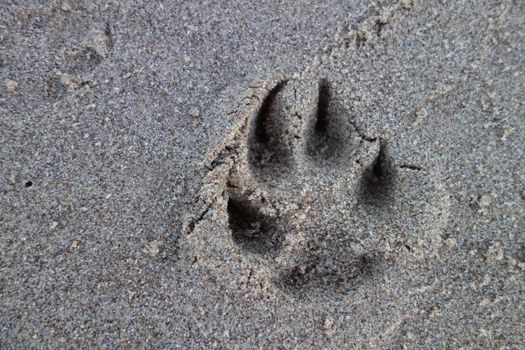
263	116
377	178
267	149
321	125
324	139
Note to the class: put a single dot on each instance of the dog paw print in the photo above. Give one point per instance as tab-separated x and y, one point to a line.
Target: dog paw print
313	202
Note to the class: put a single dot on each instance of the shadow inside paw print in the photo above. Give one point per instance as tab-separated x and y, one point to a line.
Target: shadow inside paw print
325	135
251	229
313	203
377	180
268	151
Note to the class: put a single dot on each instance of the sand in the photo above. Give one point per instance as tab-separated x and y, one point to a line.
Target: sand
248	175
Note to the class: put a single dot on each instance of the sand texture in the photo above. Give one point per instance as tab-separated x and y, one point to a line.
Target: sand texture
253	175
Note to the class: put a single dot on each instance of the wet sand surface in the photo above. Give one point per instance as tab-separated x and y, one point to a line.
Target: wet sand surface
262	175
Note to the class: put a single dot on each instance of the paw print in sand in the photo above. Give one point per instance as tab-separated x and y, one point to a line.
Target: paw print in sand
311	201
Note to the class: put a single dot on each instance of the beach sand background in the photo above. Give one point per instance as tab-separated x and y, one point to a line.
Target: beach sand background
125	132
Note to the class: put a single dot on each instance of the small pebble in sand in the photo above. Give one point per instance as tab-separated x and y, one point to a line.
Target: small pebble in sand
65	7
153	248
194	112
328	324
484	201
11	85
495	253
